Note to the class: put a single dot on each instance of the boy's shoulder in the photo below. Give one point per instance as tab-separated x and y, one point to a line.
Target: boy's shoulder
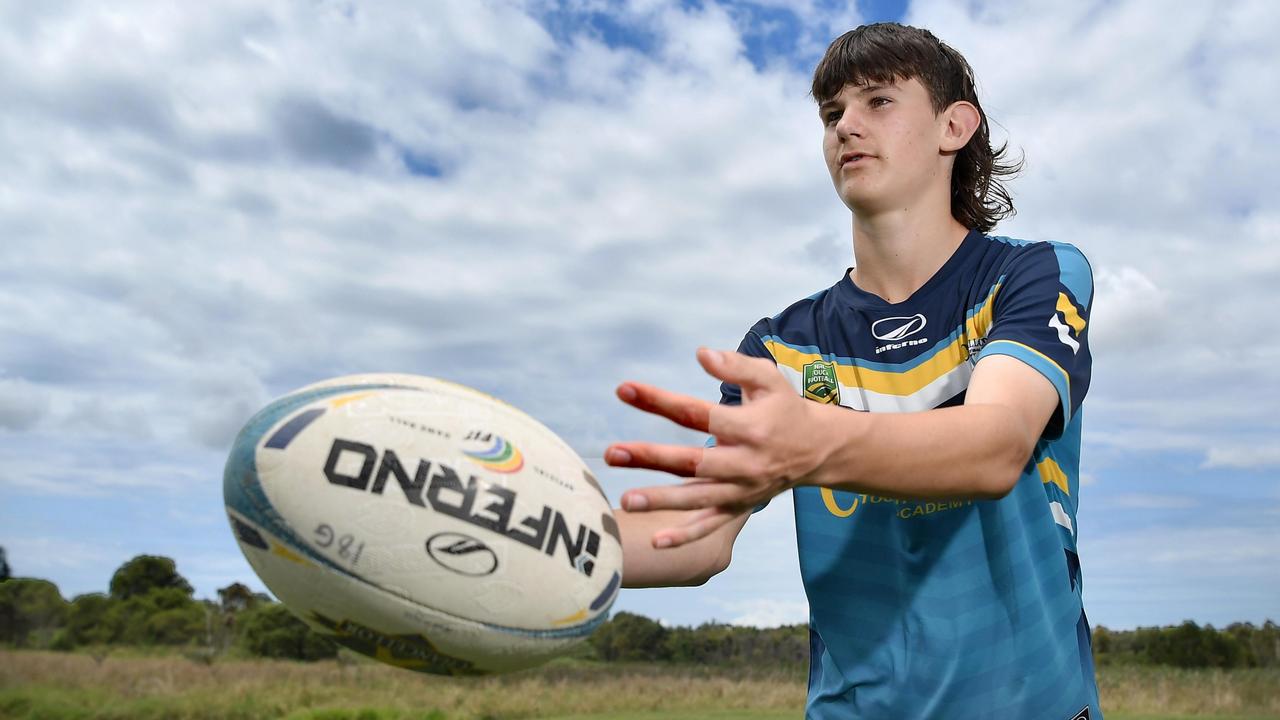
1063	251
988	260
1050	257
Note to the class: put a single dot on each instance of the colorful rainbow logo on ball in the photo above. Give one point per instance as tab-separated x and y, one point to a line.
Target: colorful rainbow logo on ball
501	457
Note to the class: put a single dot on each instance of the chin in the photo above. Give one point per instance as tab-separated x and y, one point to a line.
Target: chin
863	203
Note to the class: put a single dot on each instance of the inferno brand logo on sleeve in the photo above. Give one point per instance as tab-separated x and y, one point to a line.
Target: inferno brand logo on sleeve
492	452
820	383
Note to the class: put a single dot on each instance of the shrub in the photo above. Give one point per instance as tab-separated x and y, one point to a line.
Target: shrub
270	630
31	612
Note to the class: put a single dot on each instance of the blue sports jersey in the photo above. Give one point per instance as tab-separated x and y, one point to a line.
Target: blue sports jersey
945	609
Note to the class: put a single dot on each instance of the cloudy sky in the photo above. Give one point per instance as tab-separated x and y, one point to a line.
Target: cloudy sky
205	207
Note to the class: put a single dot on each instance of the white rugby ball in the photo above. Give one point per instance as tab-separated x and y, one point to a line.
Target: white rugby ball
423	523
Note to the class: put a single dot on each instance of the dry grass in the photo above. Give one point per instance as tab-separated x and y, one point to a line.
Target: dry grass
44	684
1160	691
177	687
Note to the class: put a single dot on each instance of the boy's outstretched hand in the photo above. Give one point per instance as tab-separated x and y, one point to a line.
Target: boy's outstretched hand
768	444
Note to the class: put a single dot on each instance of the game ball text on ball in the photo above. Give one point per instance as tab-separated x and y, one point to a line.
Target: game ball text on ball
423	523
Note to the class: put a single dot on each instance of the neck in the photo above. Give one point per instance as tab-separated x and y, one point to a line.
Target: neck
896	252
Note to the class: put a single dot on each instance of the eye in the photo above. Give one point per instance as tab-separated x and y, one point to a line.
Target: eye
831	117
879	101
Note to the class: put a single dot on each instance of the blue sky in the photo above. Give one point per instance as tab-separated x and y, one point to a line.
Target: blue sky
205	210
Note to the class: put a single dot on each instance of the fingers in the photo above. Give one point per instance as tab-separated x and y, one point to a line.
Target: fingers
719	463
690	412
674	459
697	494
699	526
746	372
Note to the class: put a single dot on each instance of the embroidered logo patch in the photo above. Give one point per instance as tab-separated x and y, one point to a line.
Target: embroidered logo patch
820	382
1082	715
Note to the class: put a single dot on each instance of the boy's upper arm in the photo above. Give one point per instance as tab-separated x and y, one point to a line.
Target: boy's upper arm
1006	381
1040	317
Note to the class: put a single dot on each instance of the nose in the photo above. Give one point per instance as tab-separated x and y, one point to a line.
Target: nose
849	125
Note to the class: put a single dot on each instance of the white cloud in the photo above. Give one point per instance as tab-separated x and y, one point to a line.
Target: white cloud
22	404
206	208
1147	147
1150	501
1165	575
1247	457
1129	312
36	556
767	613
104	467
231	396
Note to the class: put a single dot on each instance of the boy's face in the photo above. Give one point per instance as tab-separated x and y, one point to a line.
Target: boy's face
881	142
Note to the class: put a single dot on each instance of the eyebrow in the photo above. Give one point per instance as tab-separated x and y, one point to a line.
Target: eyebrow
865	89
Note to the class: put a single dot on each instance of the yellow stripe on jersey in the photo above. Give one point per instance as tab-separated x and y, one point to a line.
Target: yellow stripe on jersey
904	383
885	382
1051	472
1070	313
977	325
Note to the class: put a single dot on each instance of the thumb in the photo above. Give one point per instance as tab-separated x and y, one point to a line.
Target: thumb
747	372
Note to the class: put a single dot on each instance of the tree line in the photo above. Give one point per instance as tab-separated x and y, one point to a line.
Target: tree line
148	603
1238	645
627	636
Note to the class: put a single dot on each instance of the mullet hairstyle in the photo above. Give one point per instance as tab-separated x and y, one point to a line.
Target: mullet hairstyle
889	52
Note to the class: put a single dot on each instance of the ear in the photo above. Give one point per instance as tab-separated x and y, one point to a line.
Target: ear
958	123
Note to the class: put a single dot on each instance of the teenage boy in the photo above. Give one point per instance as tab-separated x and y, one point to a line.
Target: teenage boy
936	528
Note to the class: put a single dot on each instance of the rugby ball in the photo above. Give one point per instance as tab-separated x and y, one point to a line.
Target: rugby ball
423	523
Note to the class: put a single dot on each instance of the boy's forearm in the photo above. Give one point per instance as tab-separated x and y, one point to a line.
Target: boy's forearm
969	451
645	566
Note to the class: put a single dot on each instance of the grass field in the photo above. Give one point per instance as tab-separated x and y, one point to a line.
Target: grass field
49	685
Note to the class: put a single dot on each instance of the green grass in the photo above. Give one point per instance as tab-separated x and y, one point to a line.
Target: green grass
46	704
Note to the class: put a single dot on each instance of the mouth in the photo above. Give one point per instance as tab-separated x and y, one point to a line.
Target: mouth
853	157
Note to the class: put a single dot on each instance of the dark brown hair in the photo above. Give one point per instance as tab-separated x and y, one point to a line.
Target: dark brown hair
889	52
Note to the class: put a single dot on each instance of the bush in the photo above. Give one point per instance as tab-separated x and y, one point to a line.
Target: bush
31	612
145	573
87	622
1190	645
270	630
162	616
627	636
